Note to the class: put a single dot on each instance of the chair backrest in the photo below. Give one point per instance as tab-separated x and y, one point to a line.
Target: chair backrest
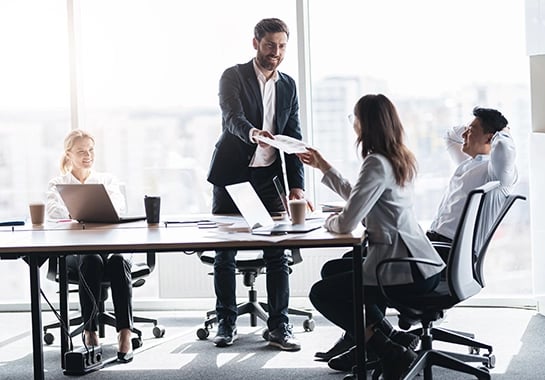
473	235
486	236
460	266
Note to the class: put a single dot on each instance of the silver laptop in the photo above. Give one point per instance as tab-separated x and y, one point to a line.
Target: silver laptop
258	218
91	203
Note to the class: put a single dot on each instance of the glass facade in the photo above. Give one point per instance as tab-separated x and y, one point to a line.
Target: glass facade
146	75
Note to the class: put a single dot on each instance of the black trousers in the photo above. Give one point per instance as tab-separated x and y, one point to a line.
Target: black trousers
276	261
91	271
332	296
436	237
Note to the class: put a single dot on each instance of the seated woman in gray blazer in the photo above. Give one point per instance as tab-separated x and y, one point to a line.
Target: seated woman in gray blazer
381	199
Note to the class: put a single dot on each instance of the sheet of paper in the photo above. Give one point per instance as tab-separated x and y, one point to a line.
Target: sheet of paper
285	143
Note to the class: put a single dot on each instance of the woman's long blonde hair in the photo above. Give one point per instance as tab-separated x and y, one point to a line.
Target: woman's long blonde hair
69	141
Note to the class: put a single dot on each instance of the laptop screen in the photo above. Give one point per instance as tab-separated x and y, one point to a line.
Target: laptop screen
250	206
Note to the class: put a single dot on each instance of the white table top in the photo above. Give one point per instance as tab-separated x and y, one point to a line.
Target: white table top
63	237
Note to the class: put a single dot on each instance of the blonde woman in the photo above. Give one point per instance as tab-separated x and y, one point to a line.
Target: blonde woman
91	269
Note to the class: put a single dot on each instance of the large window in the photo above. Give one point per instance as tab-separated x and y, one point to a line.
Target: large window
34	112
435	60
146	78
150	72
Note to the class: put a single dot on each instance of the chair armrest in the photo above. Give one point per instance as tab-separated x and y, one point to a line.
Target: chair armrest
407	260
53	268
296	256
150	260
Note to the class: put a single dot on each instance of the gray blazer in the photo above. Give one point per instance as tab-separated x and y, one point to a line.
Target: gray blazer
386	210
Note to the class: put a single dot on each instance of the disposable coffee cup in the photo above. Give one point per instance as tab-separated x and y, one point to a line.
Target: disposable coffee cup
152	204
298	210
37	213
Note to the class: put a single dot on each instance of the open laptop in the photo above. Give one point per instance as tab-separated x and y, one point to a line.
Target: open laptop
91	203
281	193
258	218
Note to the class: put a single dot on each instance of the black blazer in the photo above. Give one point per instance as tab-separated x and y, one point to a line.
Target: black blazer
242	109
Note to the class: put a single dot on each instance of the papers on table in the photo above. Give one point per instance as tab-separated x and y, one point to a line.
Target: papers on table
333	206
285	143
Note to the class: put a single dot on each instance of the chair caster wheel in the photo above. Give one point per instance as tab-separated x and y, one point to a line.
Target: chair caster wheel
308	324
203	333
491	362
158	331
49	338
136	343
265	334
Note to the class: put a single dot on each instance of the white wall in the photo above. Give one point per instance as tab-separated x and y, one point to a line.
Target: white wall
535	38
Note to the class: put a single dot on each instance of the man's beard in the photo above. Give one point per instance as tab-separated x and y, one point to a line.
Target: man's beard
266	64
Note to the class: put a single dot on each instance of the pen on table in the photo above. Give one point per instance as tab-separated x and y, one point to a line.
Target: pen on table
189	222
186	221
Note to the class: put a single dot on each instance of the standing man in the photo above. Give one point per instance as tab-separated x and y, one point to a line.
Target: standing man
256	100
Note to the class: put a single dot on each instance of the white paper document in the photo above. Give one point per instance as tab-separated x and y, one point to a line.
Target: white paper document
285	143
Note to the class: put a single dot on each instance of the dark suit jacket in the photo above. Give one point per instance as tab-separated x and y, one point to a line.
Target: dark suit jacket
242	109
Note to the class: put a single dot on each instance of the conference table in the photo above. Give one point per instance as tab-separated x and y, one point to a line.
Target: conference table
183	234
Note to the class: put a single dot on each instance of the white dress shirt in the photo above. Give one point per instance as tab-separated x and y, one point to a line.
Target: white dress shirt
55	207
472	173
266	156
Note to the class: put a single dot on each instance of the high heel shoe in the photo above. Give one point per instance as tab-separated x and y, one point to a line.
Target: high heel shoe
125	357
124	342
343	344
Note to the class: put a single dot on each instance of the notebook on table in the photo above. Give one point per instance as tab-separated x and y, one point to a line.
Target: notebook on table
258	218
91	203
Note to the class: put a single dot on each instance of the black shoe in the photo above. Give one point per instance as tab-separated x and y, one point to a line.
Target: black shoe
394	358
343	362
343	344
283	338
347	360
124	357
227	334
406	339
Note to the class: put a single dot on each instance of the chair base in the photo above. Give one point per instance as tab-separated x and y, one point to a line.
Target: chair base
455	337
462	339
428	358
104	319
256	310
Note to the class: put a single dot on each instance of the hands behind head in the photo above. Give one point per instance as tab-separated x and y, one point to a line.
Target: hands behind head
313	158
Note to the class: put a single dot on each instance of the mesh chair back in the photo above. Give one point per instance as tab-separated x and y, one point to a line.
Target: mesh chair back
485	236
462	256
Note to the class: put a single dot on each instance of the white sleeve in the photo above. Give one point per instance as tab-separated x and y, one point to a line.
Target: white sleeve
55	208
453	142
501	166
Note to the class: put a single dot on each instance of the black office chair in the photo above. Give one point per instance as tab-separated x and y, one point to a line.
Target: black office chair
250	268
464	279
139	271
